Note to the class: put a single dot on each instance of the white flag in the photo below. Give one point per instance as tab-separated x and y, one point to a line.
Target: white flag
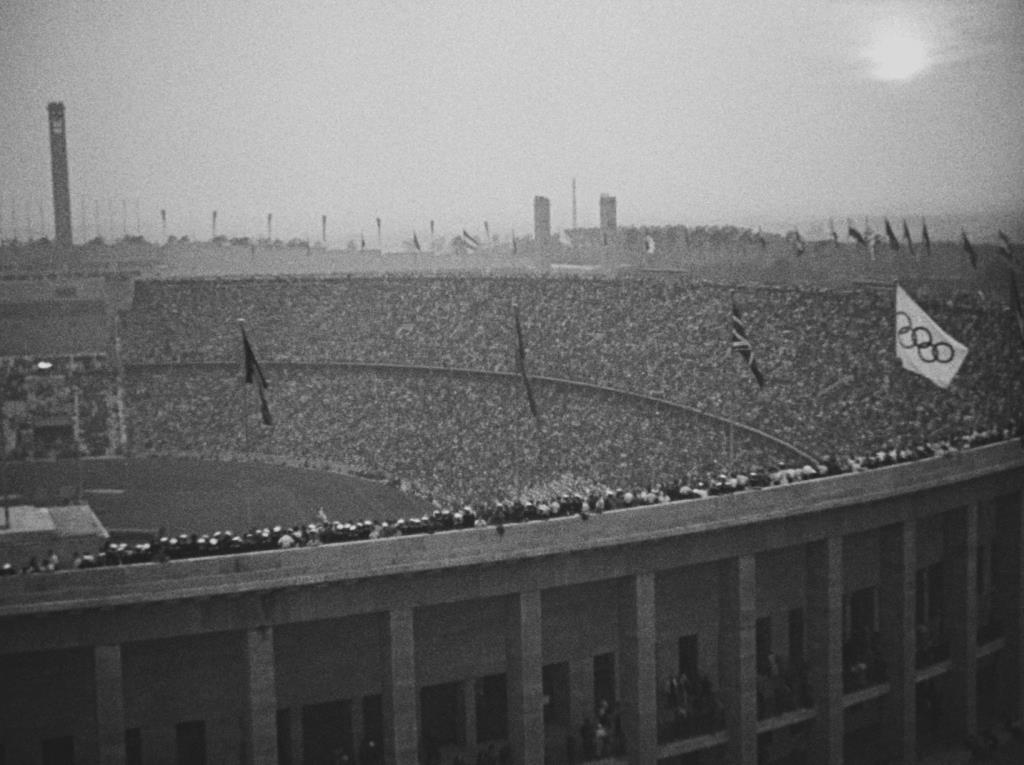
649	244
921	344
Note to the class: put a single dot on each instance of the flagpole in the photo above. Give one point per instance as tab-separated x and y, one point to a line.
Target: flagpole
245	401
732	388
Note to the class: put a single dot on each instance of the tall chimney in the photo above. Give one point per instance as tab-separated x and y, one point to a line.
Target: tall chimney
59	168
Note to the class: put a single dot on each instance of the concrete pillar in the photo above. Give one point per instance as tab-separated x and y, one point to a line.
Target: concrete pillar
1008	558
109	686
896	596
525	678
581	692
358	726
737	657
468	691
261	710
825	647
401	721
638	662
295	725
961	617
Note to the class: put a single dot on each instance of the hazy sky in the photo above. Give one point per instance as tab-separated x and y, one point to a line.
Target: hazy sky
691	112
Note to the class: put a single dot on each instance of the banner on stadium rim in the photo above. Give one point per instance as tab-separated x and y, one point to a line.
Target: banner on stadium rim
922	346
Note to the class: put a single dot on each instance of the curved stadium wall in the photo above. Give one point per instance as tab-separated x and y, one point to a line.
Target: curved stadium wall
412	639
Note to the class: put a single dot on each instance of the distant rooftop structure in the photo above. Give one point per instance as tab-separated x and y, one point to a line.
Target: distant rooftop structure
608	221
541	219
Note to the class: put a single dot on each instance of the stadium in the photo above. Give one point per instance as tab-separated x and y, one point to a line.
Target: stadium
667	563
720	480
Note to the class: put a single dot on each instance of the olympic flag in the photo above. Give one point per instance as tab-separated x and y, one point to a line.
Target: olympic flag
921	344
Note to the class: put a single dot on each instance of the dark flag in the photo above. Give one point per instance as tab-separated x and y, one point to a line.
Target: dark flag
431	231
856	235
1005	248
741	345
362	241
416	242
925	238
761	240
969	249
906	235
254	373
487	229
521	362
801	245
1017	306
515	246
472	241
604	237
832	232
894	243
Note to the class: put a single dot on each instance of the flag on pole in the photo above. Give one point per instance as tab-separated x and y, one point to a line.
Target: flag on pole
362	241
925	238
254	373
416	242
855	235
487	230
515	246
968	248
922	346
649	245
832	232
906	235
1017	306
801	245
741	345
521	362
471	241
1005	247
894	243
760	238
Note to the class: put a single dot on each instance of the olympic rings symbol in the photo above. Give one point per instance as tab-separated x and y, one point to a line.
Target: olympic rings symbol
920	338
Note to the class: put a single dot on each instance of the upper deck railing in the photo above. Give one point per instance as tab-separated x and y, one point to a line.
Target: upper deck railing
866	500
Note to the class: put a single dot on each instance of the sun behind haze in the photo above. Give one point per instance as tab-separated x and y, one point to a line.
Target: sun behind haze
897	56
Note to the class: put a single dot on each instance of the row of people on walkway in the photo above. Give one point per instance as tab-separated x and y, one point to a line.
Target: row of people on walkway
497	514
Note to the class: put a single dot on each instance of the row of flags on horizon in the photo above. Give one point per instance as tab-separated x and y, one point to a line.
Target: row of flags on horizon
866	238
869	240
922	347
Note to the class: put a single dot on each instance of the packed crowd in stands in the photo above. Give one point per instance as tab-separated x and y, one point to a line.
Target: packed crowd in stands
497	514
833	383
467	441
454	438
60	406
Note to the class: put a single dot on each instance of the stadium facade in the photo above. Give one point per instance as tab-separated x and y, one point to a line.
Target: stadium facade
472	638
